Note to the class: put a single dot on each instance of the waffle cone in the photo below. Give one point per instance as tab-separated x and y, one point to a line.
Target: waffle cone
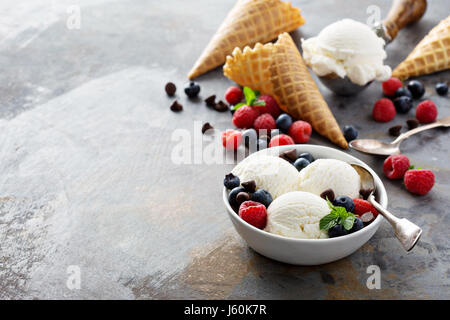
431	54
278	69
249	22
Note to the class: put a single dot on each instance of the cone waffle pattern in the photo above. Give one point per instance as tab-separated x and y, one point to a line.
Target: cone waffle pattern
432	54
279	70
249	22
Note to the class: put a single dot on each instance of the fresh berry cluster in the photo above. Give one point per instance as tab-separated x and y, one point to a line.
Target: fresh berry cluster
299	162
249	203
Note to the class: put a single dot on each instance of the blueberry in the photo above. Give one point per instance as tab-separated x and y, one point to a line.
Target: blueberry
262	144
307	156
357	225
301	163
402	92
441	88
192	89
283	122
337	231
403	104
417	89
249	137
346	202
262	196
350	133
231	181
233	194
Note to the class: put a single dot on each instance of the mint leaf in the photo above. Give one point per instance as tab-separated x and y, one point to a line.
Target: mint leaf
348	222
259	103
338	215
237	106
411	167
249	95
328	222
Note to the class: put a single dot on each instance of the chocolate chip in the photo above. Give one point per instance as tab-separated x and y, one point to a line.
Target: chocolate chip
365	193
367	217
176	106
170	88
329	193
221	106
395	130
211	101
412	123
207	126
249	186
290	155
242	197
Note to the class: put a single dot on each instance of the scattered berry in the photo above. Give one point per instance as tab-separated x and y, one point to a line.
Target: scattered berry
426	111
192	89
170	88
363	206
307	156
401	92
419	181
403	104
300	131
264	122
395	130
390	86
412	123
280	140
262	196
337	231
441	88
242	197
271	106
234	95
395	166
350	133
383	110
346	202
301	163
231	181
357	225
233	194
244	117
249	137
417	89
284	122
231	139
253	213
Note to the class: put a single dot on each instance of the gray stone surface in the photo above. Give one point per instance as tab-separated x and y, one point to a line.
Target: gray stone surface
87	177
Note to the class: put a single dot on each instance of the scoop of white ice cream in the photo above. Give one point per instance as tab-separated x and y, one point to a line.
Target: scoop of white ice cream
347	48
337	175
297	215
273	174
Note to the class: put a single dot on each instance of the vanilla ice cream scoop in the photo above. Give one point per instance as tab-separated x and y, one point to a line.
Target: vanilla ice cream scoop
297	215
273	174
337	175
347	48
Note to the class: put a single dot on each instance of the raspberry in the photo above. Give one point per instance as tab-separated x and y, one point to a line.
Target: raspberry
231	139
234	95
280	140
419	181
390	86
300	131
244	117
426	111
271	106
395	166
363	206
264	121
253	213
383	110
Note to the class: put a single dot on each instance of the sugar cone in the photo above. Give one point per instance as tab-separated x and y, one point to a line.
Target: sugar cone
278	69
249	22
432	54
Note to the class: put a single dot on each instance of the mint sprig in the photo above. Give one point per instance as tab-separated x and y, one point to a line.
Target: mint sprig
338	215
251	99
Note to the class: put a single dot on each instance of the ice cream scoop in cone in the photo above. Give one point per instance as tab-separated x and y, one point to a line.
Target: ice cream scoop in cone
432	54
278	69
249	22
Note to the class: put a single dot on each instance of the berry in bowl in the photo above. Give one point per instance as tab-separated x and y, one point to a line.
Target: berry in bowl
302	204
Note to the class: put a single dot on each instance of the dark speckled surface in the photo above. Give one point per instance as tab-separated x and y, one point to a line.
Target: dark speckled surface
87	178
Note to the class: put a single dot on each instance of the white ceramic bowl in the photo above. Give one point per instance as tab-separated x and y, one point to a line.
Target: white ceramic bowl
307	251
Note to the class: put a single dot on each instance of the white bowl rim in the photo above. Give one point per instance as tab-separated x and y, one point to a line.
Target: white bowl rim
380	189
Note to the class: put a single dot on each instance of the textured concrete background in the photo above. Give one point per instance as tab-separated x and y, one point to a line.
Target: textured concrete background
87	178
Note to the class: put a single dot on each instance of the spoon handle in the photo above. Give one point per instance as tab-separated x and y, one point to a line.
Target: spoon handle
386	214
442	122
402	13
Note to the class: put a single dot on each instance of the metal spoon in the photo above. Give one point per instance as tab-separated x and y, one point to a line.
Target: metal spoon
406	232
373	146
